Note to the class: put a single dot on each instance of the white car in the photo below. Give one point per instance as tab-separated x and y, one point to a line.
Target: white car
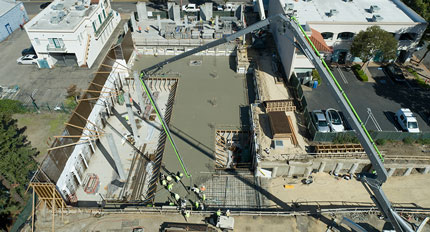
334	120
190	8
407	120
27	59
320	121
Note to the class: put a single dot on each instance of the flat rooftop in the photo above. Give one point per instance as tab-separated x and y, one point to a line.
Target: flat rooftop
353	11
5	6
62	15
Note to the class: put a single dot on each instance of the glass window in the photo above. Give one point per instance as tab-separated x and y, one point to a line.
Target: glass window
408	36
104	14
100	19
412	125
345	35
94	26
327	35
37	41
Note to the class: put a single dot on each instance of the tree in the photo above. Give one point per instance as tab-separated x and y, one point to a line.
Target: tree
374	41
425	54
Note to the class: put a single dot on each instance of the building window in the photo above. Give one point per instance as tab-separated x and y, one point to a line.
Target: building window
56	42
37	41
100	19
345	35
94	26
104	14
408	36
327	35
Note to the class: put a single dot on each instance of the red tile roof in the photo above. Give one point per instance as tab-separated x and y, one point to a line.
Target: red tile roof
319	42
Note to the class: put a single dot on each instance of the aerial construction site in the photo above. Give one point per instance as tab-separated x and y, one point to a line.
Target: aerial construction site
187	113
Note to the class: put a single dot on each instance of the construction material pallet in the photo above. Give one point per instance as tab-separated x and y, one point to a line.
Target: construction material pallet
279	105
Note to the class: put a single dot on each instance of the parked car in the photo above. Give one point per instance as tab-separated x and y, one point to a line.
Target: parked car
28	51
395	73
44	5
334	120
407	120
28	59
190	8
320	121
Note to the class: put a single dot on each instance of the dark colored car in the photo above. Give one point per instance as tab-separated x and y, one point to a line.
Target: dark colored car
28	51
44	5
395	73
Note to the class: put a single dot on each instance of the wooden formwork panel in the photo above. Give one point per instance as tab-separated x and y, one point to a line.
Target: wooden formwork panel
339	148
221	153
293	133
48	193
279	105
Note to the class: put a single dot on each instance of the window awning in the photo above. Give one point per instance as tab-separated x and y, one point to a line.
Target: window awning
319	42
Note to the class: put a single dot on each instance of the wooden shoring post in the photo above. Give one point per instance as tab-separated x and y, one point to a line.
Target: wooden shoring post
68	124
97	98
87	120
71	144
74	136
102	72
62	210
53	207
99	85
32	212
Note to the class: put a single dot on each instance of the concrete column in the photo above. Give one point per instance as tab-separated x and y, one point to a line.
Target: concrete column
426	170
322	166
159	23
391	171
308	171
130	113
291	171
407	172
141	10
274	172
176	14
216	22
353	169
76	175
91	145
133	22
83	158
139	91
338	168
115	155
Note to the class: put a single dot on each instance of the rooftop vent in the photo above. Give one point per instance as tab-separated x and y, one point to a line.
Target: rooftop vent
58	6
377	18
57	19
333	12
288	7
347	0
307	0
374	8
80	7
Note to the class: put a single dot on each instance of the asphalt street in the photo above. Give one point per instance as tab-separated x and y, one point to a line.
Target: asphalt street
380	99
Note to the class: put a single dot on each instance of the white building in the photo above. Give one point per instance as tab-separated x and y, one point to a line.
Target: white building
72	32
333	24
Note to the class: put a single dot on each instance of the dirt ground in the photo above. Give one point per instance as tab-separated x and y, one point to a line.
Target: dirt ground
327	189
39	127
401	149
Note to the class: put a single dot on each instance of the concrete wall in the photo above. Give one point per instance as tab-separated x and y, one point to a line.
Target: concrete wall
66	182
14	17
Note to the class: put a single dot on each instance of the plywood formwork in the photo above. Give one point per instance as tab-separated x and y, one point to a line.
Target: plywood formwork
48	193
227	141
279	105
339	148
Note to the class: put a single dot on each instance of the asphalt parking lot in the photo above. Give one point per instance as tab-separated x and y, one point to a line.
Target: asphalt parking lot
382	98
46	86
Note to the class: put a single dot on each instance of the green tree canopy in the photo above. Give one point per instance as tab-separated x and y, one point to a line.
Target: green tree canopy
374	40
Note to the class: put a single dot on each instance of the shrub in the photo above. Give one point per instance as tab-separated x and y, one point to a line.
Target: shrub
408	140
423	141
316	76
8	106
422	82
412	71
70	103
359	73
381	142
345	138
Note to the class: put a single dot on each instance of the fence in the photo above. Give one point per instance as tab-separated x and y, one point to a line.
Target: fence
317	136
24	216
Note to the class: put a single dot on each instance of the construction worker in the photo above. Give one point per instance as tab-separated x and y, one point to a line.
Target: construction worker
218	213
170	186
169	178
204	197
202	207
179	176
197	204
196	190
171	203
177	197
187	215
227	213
183	204
164	183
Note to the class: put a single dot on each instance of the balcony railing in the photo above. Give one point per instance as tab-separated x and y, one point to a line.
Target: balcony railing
52	48
104	24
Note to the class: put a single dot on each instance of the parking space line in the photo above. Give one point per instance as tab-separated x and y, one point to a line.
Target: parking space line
342	76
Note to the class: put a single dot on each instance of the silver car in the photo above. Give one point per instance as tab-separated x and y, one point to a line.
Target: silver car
320	121
334	120
27	59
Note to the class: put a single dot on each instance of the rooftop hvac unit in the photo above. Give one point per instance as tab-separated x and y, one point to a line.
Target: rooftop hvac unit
377	18
288	7
58	6
333	12
374	8
307	0
347	0
80	7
